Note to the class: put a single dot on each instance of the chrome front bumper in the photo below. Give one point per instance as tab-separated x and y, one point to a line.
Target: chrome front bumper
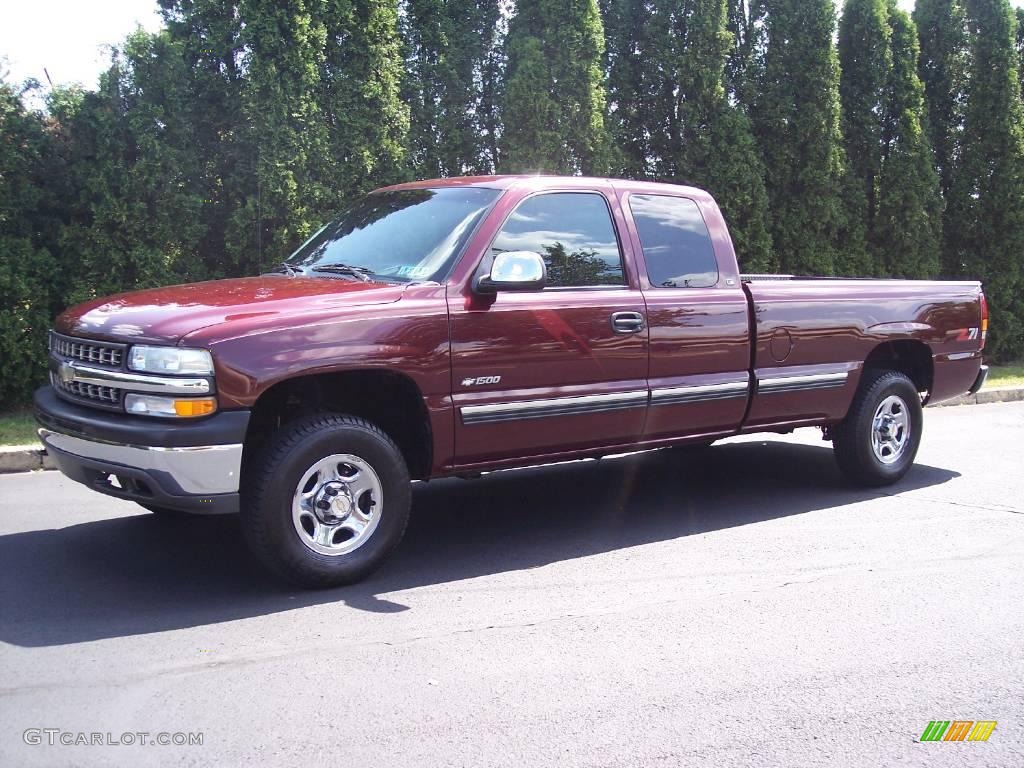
203	470
192	466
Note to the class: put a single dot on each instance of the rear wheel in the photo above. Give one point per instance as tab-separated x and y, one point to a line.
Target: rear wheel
877	442
326	501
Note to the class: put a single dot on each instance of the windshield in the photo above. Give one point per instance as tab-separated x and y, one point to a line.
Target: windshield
412	234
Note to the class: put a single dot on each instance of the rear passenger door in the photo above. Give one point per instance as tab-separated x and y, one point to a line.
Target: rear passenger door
700	351
558	370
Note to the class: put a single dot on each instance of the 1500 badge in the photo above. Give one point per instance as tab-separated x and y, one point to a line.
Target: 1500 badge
480	380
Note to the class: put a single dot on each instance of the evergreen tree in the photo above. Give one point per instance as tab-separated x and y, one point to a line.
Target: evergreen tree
896	189
208	34
672	114
716	147
625	23
745	66
135	214
285	42
942	31
865	59
30	203
1020	46
361	103
986	206
796	119
906	230
450	46
554	98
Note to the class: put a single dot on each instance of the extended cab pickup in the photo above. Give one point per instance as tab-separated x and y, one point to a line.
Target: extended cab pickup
470	324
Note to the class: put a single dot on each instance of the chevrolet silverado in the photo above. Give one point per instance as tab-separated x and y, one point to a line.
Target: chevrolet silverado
457	326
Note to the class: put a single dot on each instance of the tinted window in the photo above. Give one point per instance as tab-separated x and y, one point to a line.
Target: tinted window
412	234
676	243
573	232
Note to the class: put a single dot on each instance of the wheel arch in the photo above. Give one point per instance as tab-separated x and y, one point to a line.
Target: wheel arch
910	357
388	399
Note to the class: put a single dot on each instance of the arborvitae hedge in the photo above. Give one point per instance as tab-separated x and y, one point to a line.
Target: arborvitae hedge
212	147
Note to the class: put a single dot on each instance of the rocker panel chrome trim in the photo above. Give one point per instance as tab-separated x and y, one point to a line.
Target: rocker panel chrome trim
699	393
559	406
798	383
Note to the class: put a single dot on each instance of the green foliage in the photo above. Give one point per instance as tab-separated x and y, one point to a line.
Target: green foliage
745	66
896	193
30	192
285	51
628	84
134	214
865	58
207	34
1020	47
942	32
451	49
367	120
985	231
553	109
671	116
18	427
796	120
212	147
906	228
573	267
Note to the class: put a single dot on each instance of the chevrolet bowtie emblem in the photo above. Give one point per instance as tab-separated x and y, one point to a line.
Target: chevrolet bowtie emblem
66	373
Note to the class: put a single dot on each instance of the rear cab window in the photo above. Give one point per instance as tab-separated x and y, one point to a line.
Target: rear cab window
676	243
574	234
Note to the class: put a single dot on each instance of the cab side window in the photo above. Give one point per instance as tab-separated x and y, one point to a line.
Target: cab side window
573	232
677	246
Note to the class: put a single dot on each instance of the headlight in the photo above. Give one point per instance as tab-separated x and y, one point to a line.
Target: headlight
170	407
170	360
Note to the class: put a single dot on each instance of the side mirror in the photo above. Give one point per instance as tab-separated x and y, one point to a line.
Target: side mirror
514	271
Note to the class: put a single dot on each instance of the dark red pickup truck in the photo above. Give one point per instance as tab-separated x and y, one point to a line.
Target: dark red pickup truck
470	324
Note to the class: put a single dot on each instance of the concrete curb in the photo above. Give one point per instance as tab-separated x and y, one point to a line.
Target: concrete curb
28	458
1006	395
24	458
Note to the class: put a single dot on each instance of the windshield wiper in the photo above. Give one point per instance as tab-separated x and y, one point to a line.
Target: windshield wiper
286	268
362	273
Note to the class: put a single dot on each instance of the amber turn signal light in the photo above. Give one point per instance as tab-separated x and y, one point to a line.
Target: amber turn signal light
195	407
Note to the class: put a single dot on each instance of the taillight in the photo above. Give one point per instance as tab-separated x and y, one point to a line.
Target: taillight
984	320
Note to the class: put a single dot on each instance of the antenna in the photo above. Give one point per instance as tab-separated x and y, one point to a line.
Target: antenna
47	73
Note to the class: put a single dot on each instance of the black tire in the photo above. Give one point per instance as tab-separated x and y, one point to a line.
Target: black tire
853	438
271	483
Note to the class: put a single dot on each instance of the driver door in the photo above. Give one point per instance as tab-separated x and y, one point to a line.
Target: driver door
558	370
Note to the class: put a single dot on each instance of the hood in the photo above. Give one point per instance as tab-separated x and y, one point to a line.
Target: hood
168	314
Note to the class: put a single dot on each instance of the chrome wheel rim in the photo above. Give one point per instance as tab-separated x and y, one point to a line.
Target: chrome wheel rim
890	430
337	504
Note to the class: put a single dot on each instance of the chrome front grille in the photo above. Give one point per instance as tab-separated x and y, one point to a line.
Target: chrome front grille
93	392
101	353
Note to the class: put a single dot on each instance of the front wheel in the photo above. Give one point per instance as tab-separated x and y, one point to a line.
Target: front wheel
327	501
878	440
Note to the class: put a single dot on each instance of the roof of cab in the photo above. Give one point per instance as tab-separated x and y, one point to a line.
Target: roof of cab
540	181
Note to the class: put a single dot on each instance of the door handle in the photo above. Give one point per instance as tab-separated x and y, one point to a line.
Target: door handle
627	322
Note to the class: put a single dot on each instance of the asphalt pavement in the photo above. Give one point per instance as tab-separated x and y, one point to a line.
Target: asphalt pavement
740	606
